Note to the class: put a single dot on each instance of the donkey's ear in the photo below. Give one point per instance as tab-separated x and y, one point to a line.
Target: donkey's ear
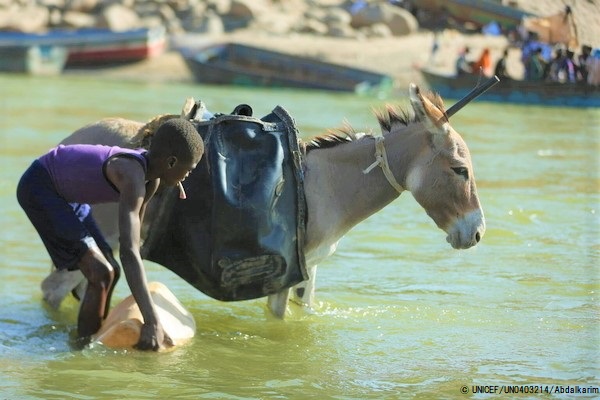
428	113
189	109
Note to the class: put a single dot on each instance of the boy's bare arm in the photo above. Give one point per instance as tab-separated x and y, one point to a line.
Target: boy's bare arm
151	188
128	176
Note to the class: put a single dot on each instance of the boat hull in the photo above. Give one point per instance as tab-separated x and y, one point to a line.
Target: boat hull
237	64
478	12
94	47
33	59
518	92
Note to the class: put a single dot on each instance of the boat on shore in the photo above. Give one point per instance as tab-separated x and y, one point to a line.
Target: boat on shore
33	59
516	91
238	64
477	12
95	47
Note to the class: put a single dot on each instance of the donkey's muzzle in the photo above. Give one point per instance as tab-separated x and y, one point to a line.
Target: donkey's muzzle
467	231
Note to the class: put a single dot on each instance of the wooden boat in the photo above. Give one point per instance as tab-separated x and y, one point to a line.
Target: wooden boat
238	64
33	59
517	91
93	47
477	12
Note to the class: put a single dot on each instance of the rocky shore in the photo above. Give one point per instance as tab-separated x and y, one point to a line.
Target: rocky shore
381	37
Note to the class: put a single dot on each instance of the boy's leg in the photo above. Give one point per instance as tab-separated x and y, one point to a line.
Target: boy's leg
60	282
64	230
116	275
92	227
100	275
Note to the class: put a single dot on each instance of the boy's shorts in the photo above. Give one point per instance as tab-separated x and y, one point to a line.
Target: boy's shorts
68	230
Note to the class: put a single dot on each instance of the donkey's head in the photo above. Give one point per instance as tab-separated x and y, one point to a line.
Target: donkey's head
441	177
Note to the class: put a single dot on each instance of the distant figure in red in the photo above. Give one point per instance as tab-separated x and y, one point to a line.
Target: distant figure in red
484	64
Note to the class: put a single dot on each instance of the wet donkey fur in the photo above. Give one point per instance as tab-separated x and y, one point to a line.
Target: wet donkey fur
419	152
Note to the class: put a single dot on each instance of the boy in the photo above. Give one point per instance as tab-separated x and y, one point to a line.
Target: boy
55	193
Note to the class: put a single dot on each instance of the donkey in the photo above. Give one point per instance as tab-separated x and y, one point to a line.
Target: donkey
419	152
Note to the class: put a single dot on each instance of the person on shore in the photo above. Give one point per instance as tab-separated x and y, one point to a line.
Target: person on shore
500	68
593	68
567	71
435	47
56	192
536	66
582	59
554	66
463	66
484	64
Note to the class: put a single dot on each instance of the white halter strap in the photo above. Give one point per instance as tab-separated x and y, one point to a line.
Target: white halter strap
381	160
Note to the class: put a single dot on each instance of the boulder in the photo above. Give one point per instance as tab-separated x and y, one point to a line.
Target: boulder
337	16
77	20
168	18
400	21
379	30
29	19
82	6
312	26
117	17
341	31
247	9
219	6
208	23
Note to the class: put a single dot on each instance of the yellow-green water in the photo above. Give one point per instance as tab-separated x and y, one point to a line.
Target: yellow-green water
399	313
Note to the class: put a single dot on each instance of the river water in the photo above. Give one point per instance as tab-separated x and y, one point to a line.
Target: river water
399	313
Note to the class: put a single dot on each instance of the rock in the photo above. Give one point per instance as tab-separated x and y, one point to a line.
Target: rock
220	6
341	31
379	30
182	5
168	18
77	20
29	19
117	17
82	6
337	16
312	26
247	9
50	4
208	23
400	21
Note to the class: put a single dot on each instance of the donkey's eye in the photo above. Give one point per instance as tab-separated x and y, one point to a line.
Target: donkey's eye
462	171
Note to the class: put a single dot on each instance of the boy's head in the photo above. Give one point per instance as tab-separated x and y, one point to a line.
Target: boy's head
175	149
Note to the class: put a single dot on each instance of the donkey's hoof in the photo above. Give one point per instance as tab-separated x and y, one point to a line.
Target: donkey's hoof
59	284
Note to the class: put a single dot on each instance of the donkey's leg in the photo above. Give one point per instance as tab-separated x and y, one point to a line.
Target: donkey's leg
304	292
277	303
57	285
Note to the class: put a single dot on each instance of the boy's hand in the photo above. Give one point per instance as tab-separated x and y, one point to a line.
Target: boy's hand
153	337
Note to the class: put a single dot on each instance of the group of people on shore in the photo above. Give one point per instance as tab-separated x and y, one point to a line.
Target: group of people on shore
541	63
561	65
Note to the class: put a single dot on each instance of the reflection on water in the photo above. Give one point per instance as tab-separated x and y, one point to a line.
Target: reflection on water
408	317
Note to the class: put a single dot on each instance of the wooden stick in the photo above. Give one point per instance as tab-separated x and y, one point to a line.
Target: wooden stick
477	91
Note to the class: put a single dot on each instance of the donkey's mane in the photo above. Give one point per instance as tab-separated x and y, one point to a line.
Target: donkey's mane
388	118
